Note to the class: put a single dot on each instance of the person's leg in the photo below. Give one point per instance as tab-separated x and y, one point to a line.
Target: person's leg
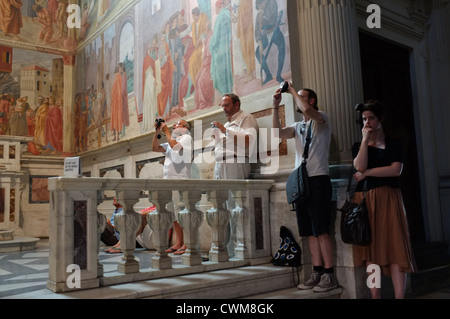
179	237
180	240
326	250
316	253
398	281
374	291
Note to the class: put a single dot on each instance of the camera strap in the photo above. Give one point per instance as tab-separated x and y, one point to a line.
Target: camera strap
308	142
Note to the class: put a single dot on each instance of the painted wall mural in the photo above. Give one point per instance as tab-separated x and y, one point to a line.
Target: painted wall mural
174	59
31	100
43	23
169	59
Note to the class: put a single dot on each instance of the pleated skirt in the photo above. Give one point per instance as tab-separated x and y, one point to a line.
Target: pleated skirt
390	235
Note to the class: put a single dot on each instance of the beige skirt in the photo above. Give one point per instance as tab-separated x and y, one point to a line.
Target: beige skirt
390	235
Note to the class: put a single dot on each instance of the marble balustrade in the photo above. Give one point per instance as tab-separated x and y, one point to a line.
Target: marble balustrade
239	209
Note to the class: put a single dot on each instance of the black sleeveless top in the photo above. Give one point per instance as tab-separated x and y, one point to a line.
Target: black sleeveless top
379	158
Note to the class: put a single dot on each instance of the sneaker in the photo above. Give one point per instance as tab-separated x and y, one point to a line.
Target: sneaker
327	282
311	282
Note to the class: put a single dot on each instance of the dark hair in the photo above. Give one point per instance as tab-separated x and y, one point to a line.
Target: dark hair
375	106
312	95
233	98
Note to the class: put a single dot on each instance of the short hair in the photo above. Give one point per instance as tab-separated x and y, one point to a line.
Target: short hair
375	106
188	125
312	95
234	98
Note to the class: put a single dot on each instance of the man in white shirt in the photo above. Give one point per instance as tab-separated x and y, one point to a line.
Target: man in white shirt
177	165
235	147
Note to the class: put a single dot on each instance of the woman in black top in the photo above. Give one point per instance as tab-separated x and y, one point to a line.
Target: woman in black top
379	163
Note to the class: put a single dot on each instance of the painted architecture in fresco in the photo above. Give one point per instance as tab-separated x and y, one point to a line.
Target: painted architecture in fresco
168	59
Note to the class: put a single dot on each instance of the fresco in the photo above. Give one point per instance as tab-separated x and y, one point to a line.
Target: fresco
31	100
43	23
168	59
173	59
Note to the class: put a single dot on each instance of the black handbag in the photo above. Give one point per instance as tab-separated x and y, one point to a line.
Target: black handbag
355	226
297	184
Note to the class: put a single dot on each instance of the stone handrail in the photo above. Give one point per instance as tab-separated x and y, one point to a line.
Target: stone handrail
10	151
239	209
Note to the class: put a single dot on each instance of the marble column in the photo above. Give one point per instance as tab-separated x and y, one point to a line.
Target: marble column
331	66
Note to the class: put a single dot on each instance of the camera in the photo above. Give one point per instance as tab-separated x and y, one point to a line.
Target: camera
158	122
284	86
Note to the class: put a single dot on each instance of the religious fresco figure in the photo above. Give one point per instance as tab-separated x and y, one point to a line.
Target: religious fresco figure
220	48
167	67
46	20
11	17
176	52
116	104
198	26
267	34
151	83
41	117
125	107
204	95
54	128
244	34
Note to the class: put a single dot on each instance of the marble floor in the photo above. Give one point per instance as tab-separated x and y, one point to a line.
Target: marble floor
24	274
27	271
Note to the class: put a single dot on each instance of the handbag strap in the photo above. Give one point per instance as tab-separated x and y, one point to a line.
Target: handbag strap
349	185
308	143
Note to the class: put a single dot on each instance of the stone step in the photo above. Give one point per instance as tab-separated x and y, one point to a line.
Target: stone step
237	283
6	235
294	293
18	243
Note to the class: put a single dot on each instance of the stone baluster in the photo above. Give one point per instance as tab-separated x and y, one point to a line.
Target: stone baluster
239	218
160	222
128	223
101	225
218	217
190	220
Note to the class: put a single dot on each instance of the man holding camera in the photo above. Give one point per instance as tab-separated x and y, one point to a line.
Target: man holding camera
178	148
235	141
313	216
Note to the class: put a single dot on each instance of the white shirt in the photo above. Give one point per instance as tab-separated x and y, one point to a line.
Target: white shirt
177	164
242	124
319	150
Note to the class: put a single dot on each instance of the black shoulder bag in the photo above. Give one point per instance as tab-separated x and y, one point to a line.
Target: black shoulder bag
355	226
297	185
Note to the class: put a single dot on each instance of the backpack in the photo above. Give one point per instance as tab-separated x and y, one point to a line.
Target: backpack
289	253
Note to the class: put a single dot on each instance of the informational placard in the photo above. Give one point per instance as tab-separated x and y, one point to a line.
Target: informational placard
72	167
